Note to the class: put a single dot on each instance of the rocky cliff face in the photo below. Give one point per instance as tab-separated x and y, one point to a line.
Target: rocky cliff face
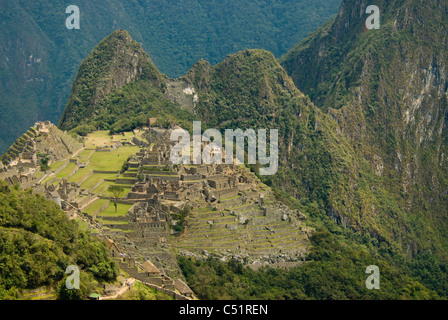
387	90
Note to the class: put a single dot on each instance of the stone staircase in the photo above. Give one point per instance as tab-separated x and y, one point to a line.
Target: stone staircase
22	144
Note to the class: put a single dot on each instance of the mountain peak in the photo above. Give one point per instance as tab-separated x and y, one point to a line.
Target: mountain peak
116	61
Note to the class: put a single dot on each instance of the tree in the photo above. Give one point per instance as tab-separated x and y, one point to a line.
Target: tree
117	192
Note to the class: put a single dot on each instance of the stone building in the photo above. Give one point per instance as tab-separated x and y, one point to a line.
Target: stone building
150	269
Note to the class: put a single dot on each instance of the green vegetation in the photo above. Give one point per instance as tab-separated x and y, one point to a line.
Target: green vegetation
113	160
57	164
176	34
83	130
96	206
110	211
44	159
180	218
104	67
117	192
122	106
336	272
363	155
38	242
147	101
80	175
96	178
142	292
384	177
69	169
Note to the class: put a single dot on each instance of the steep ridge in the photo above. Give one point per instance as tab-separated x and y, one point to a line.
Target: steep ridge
118	88
387	90
115	62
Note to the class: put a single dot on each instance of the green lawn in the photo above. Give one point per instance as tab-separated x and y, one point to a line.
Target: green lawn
95	178
80	175
97	138
82	224
84	155
66	171
102	187
95	206
127	136
57	164
112	161
122	210
39	175
127	189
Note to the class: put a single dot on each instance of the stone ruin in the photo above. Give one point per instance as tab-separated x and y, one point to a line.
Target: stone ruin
163	189
22	162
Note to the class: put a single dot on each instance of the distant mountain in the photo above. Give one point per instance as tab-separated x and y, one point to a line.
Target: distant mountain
118	88
40	56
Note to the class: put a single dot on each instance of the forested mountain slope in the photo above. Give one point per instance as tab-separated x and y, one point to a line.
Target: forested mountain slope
387	90
38	242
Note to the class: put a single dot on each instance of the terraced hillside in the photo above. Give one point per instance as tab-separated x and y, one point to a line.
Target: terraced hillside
165	210
246	223
262	230
44	139
22	144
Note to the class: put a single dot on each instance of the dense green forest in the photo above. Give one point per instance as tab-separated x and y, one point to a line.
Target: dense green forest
38	242
40	56
387	92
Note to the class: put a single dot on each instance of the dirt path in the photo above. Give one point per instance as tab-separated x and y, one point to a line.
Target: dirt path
120	292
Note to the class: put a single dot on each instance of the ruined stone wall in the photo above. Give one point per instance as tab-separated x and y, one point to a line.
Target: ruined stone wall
163	178
172	195
9	174
225	193
128	181
138	196
191	177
